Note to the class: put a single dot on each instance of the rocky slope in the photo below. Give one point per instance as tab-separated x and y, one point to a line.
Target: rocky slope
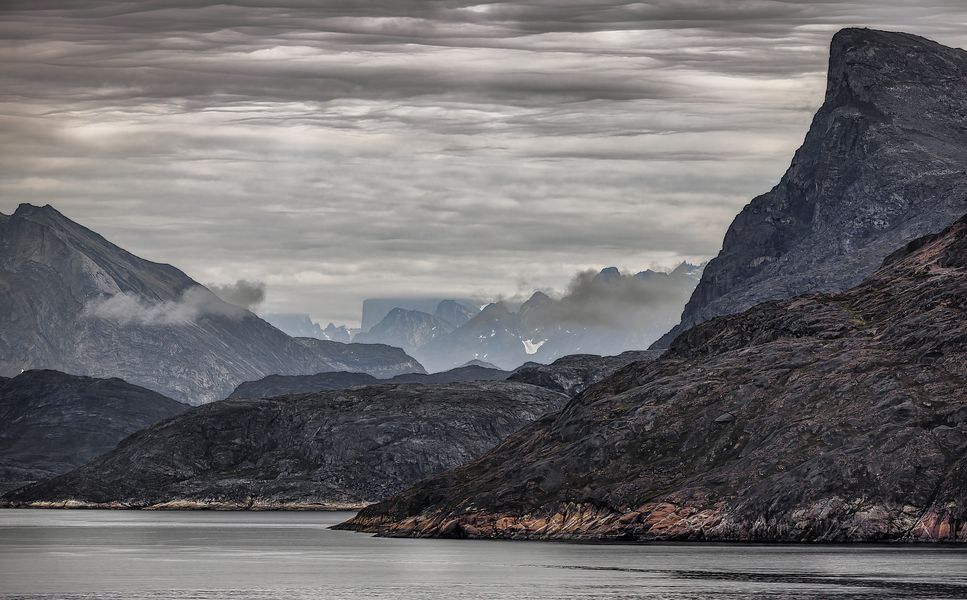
883	163
283	385
826	418
51	422
573	374
325	450
76	303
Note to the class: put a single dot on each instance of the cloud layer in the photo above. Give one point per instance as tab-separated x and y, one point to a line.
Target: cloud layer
344	149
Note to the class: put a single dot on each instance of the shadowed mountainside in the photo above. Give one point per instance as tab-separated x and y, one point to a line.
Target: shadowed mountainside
51	422
883	163
334	449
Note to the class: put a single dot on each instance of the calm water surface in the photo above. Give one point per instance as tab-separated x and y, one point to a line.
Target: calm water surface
239	555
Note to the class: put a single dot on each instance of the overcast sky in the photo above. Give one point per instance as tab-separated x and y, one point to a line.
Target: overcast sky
349	149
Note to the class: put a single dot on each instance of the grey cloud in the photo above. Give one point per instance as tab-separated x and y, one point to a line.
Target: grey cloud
619	303
245	294
338	150
131	309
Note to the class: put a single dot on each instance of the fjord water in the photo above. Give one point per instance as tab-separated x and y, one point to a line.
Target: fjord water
293	555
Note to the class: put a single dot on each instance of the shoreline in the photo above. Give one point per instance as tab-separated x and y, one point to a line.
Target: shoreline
190	505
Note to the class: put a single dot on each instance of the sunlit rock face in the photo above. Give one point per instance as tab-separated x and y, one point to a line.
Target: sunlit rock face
882	163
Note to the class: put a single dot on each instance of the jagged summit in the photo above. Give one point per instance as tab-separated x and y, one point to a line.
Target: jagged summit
882	163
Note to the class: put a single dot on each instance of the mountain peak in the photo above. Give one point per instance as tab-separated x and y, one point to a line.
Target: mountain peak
864	61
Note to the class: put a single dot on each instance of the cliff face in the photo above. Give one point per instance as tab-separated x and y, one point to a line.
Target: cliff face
76	303
51	422
885	161
830	418
325	450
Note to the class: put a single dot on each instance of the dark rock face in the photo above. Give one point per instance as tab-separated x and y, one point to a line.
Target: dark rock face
573	374
826	418
284	385
331	449
883	163
51	422
74	302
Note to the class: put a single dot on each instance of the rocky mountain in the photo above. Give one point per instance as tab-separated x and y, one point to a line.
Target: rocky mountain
325	450
883	162
376	309
454	314
464	373
604	313
51	422
825	418
301	325
406	329
74	302
284	385
573	374
493	335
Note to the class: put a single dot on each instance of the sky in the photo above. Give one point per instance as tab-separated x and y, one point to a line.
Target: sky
328	152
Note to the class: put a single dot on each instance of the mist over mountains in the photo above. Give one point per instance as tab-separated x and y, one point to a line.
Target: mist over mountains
76	303
604	313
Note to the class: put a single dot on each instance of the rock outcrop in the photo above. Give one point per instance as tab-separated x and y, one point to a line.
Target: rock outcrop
825	418
573	374
51	422
333	449
284	385
74	302
885	161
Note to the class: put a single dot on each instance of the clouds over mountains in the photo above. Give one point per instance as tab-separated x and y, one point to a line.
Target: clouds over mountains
340	150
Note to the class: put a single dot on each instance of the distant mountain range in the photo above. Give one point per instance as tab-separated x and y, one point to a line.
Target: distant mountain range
606	313
76	303
301	325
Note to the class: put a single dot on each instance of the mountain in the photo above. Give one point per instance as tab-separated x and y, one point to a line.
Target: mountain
454	314
825	418
406	329
284	385
882	163
573	374
331	449
376	309
493	335
301	325
464	373
51	422
76	303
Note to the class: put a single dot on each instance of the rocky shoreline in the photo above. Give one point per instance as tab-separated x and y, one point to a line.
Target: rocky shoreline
251	504
684	522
